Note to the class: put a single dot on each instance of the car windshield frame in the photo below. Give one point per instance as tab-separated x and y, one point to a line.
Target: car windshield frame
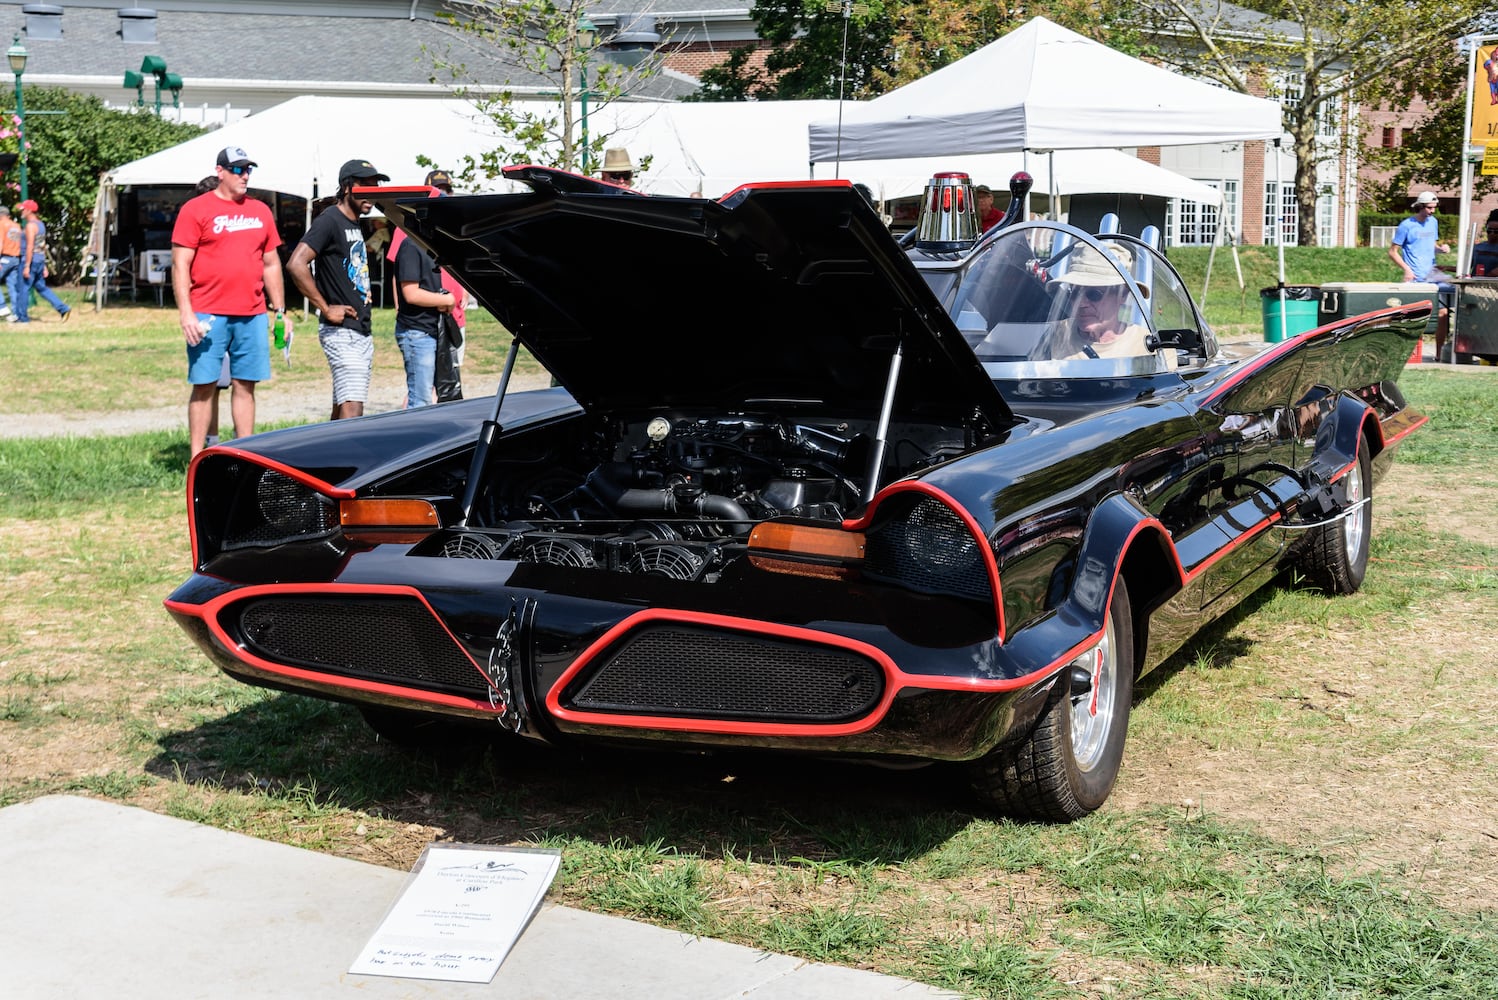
1011	301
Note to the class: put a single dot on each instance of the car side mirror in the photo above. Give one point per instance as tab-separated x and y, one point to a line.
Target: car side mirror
1184	339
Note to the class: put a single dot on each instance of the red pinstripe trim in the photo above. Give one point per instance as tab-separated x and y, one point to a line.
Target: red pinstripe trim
768	185
896	679
209	612
984	548
1412	428
311	482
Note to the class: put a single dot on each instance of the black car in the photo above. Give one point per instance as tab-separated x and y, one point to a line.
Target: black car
798	488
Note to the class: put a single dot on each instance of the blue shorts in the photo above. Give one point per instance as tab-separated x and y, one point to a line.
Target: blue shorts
244	339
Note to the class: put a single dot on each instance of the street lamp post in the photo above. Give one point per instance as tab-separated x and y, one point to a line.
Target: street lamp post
587	39
17	56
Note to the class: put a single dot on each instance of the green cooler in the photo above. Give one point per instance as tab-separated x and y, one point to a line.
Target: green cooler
1340	300
1299	311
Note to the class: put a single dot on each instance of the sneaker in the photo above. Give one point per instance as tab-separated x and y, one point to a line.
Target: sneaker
210	440
67	314
4	310
12	319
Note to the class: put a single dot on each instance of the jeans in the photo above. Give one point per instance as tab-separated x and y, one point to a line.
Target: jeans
10	277
419	349
35	281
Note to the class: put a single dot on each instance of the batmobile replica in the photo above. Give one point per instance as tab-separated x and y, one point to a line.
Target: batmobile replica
797	487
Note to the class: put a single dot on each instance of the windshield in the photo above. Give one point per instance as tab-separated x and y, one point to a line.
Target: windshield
1043	293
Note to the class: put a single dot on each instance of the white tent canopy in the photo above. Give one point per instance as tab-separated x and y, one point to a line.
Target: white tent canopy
707	149
1078	171
1042	87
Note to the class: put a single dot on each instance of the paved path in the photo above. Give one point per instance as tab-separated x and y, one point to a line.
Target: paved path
111	901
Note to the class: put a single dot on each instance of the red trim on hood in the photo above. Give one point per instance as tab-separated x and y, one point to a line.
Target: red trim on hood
990	562
297	475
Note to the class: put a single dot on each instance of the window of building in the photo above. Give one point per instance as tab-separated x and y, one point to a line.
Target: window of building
1326	219
1282	212
1194	223
1391	136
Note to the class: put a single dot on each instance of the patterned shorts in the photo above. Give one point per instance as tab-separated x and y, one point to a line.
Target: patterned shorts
350	358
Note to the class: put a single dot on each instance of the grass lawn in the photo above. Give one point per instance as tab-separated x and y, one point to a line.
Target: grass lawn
1308	806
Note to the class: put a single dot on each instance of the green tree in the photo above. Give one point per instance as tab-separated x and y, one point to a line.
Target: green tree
536	39
1332	52
68	154
889	43
731	80
1430	150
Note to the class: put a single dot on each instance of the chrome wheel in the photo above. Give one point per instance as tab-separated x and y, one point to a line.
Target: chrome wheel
1094	686
1355	525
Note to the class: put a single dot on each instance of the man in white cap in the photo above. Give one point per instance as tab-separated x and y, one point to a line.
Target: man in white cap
224	268
1416	242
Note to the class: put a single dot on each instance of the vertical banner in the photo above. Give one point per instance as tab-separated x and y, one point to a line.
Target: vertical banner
1485	97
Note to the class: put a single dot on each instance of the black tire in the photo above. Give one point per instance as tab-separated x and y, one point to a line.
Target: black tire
1466	359
444	739
1336	555
1065	767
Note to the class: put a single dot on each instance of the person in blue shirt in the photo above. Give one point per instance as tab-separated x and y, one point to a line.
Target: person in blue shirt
1416	242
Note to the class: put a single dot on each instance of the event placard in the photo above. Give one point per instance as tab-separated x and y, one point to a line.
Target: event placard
460	912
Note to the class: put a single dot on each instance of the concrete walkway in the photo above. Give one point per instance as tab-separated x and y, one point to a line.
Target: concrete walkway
98	899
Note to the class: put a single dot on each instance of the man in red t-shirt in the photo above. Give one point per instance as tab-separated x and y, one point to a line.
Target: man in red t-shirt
224	267
988	216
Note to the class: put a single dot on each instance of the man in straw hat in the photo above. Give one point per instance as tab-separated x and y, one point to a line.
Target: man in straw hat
618	168
1092	298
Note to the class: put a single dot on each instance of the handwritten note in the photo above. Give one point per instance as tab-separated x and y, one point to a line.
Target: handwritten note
459	913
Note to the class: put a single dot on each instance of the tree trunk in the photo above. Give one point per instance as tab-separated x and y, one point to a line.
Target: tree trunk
1303	133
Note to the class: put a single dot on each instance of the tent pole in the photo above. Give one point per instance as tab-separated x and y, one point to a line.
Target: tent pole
1211	256
1279	232
1053	211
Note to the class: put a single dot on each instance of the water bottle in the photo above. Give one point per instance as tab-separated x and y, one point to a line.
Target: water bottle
280	332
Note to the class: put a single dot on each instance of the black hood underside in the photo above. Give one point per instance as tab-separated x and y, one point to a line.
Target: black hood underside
785	296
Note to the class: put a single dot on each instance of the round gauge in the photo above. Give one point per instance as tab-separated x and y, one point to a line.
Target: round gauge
657	429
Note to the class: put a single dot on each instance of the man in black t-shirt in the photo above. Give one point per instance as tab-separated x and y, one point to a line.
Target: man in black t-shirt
339	289
419	318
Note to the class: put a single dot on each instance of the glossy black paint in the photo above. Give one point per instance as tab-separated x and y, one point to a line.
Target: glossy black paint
790	303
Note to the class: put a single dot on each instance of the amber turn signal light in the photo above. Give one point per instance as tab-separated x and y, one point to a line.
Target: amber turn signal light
806	550
392	520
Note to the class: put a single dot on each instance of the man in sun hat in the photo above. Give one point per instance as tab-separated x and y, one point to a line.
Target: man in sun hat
618	168
340	289
1092	297
1414	248
224	267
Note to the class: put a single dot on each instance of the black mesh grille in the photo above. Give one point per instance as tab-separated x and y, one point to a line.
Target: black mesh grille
271	509
394	639
684	671
928	549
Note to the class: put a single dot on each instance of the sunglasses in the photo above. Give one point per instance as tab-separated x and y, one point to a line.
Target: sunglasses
1097	294
239	171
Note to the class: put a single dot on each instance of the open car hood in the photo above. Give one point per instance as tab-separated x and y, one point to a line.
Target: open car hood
784	295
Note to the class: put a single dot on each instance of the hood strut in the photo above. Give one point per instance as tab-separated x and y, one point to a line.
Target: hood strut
487	434
881	435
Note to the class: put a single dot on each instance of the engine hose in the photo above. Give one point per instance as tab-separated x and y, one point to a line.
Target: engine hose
664	501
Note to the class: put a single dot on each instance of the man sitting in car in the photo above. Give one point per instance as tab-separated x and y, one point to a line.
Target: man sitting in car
1092	299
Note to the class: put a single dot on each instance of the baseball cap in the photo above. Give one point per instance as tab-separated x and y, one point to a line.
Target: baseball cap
360	170
439	178
1424	198
235	156
29	206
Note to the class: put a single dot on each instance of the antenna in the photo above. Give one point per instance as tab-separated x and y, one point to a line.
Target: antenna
847	8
